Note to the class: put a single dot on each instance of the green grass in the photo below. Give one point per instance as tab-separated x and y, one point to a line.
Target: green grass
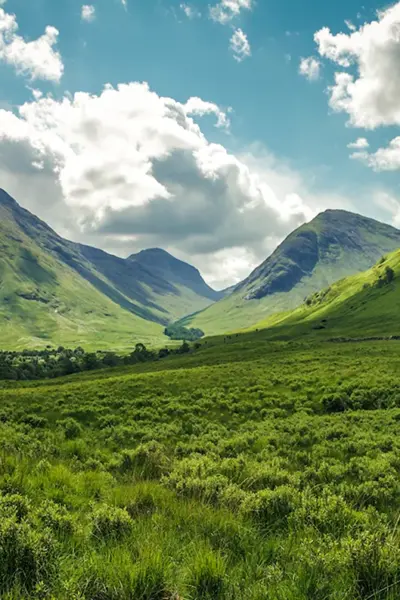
249	470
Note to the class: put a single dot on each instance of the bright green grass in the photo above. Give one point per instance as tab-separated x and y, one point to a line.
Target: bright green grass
223	474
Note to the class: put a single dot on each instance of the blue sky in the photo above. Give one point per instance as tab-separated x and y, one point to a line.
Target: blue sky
281	123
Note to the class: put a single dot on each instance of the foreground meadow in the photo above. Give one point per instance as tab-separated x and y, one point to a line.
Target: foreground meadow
249	470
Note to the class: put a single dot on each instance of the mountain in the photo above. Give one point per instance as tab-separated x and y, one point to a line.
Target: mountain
364	305
182	275
334	245
53	290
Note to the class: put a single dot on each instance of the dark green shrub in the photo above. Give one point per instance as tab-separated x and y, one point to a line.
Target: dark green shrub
14	505
27	557
335	402
72	429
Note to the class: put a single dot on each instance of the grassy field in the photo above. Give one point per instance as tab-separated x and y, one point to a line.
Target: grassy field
250	469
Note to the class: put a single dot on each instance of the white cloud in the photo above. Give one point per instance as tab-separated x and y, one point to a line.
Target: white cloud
128	169
38	59
384	159
190	11
390	204
359	144
88	13
226	10
310	67
371	95
239	44
199	107
350	25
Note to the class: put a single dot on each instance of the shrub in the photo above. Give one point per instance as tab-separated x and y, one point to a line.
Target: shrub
14	505
26	556
271	507
72	429
111	522
56	518
148	460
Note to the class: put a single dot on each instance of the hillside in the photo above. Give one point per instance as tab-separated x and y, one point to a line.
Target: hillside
45	298
364	305
56	291
334	245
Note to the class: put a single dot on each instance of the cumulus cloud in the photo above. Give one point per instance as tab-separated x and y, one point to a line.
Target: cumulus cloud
371	95
384	159
310	67
128	169
88	13
359	144
239	44
226	10
190	11
197	107
367	85
38	59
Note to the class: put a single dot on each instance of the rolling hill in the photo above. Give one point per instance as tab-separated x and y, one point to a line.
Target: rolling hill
334	245
56	291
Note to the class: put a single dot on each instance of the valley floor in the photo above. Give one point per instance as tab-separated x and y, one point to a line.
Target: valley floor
248	470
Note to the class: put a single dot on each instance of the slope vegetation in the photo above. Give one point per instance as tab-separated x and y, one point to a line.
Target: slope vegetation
55	290
45	298
366	304
334	245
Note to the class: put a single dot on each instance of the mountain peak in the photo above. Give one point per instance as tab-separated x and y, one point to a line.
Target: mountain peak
175	271
334	245
5	198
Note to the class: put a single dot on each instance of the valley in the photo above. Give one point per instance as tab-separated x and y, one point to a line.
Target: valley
260	463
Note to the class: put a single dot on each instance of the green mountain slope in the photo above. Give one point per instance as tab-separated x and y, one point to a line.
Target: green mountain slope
364	305
45	300
56	291
334	245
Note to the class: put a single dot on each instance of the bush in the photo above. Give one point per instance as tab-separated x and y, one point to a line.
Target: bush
148	460
14	505
56	518
72	429
26	556
111	522
271	508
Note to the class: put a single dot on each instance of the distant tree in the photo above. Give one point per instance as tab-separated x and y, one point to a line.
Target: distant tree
389	274
184	349
179	332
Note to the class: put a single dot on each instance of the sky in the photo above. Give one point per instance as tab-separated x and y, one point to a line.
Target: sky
210	129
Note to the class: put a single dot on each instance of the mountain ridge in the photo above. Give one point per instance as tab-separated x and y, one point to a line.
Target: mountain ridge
36	262
335	244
